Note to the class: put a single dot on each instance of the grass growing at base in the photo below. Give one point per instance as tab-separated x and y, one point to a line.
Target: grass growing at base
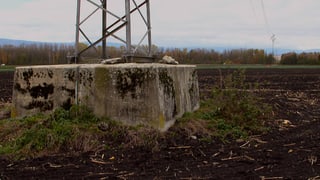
231	112
71	131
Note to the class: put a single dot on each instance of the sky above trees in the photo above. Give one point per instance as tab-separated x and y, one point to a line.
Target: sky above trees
179	23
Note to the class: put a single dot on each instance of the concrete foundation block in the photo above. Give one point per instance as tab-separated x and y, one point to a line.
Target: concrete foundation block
152	94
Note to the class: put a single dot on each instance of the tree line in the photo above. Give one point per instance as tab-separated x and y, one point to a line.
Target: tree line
34	54
293	58
43	54
210	56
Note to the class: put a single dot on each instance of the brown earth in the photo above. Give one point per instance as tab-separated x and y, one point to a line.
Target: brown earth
289	151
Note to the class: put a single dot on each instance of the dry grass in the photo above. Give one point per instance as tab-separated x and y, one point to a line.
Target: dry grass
144	136
195	127
5	110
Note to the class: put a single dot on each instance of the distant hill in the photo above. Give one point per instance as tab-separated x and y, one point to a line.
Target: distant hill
278	51
15	42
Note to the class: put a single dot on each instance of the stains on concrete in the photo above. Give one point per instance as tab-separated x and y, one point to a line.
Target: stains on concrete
42	105
193	78
18	88
50	73
67	104
70	75
70	92
128	81
167	82
27	75
194	90
37	91
86	78
41	74
127	111
43	90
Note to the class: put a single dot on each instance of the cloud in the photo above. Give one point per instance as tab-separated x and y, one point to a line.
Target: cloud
177	22
39	20
240	22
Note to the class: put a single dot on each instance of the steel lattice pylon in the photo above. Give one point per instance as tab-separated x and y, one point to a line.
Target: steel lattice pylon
109	29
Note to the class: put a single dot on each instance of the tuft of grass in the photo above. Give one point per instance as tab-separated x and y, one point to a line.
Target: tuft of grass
7	68
71	131
231	112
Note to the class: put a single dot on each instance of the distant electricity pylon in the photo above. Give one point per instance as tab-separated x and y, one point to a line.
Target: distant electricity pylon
273	36
110	29
273	39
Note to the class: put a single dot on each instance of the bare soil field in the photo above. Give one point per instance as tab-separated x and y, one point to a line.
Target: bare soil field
290	150
6	85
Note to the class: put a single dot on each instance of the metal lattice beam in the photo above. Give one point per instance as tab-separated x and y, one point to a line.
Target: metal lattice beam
110	29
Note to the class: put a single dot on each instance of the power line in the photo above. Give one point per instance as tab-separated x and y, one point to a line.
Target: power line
273	36
266	22
254	10
265	17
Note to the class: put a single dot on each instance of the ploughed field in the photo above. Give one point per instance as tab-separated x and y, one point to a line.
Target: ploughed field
291	150
6	85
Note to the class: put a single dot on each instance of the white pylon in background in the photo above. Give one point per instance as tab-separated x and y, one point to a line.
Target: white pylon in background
273	39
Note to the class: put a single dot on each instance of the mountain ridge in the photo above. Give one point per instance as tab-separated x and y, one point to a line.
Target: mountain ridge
18	42
278	51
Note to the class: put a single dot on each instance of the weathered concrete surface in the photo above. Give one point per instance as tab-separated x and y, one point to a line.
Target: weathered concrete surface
153	94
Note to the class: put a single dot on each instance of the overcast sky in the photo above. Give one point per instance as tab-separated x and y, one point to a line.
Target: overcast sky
178	23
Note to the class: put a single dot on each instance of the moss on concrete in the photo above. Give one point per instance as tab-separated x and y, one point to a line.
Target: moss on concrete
102	76
167	82
193	87
169	90
129	80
